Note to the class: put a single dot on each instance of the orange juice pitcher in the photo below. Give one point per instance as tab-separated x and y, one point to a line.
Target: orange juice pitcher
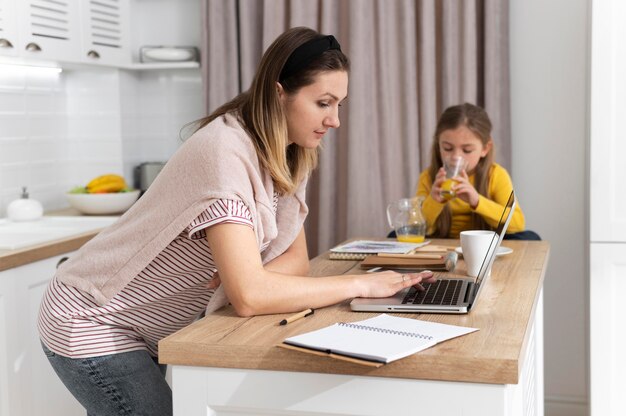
405	217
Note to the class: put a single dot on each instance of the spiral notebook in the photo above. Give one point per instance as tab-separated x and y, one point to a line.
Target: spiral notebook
375	341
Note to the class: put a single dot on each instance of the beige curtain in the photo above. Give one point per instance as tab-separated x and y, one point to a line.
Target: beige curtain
410	59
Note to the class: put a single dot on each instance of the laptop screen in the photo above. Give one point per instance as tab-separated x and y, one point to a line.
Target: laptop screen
500	230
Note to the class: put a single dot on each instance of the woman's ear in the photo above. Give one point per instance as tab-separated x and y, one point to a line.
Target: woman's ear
486	148
280	91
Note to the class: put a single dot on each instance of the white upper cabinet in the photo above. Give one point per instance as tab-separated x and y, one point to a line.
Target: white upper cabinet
74	31
8	28
49	29
105	32
98	31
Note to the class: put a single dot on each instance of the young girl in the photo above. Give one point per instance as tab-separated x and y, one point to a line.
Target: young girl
230	201
481	190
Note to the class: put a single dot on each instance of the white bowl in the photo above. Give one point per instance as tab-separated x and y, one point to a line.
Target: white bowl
107	203
169	54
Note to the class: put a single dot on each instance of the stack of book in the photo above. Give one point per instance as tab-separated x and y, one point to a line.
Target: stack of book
415	262
395	255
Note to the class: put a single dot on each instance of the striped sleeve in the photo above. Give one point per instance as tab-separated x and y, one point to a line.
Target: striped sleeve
221	211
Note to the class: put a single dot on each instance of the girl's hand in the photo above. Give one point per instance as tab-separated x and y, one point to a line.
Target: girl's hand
388	283
435	192
465	191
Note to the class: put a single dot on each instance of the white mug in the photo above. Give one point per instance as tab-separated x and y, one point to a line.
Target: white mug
475	244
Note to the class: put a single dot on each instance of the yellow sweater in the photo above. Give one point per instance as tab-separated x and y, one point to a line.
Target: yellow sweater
490	207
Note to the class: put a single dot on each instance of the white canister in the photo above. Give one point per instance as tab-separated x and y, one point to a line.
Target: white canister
25	209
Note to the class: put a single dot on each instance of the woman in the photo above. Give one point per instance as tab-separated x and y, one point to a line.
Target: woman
231	200
480	191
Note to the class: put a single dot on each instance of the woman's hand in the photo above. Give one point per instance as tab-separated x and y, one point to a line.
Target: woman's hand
215	281
388	283
435	191
465	191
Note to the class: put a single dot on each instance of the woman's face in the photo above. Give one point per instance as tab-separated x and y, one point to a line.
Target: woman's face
314	109
463	142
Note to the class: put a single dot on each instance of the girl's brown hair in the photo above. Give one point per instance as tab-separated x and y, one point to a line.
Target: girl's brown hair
260	111
478	122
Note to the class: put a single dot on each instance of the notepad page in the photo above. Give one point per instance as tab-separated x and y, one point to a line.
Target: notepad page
441	332
383	338
359	343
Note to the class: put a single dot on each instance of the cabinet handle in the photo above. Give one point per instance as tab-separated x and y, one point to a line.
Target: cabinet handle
33	47
61	261
4	43
93	54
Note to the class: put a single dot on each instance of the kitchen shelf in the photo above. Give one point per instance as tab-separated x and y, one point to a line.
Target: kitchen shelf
162	65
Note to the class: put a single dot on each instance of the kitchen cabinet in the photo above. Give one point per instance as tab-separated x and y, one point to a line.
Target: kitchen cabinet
97	31
607	219
6	286
72	31
105	36
8	28
28	384
48	29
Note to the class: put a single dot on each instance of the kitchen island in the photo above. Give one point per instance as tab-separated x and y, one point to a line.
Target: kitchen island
224	364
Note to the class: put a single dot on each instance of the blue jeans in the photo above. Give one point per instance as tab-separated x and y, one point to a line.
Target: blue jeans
129	383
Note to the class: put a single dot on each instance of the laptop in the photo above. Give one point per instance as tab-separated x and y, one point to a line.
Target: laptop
445	295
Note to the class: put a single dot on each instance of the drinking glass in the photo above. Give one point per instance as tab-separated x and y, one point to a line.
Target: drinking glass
453	167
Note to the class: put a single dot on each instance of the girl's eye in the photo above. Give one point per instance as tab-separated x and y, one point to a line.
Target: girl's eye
467	151
447	150
323	104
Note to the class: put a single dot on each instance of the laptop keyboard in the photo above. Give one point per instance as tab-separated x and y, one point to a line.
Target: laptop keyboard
442	292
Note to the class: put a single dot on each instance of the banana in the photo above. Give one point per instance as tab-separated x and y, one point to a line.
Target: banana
106	183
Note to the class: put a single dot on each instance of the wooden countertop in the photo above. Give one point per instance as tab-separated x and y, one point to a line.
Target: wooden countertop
504	313
19	257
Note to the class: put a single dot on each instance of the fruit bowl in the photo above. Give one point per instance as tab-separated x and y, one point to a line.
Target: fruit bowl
102	203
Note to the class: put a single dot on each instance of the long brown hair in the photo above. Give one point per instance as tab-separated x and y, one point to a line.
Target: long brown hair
260	111
477	121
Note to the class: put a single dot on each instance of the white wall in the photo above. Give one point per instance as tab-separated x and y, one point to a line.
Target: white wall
58	131
549	79
155	106
55	130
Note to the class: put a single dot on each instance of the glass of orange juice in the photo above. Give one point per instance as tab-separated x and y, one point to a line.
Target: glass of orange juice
453	167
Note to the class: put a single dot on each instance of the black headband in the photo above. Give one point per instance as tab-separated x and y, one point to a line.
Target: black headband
305	53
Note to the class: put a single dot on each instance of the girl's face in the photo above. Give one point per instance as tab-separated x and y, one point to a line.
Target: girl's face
463	142
314	109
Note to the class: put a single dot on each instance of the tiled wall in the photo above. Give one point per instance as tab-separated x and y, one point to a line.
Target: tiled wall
32	127
58	131
156	105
